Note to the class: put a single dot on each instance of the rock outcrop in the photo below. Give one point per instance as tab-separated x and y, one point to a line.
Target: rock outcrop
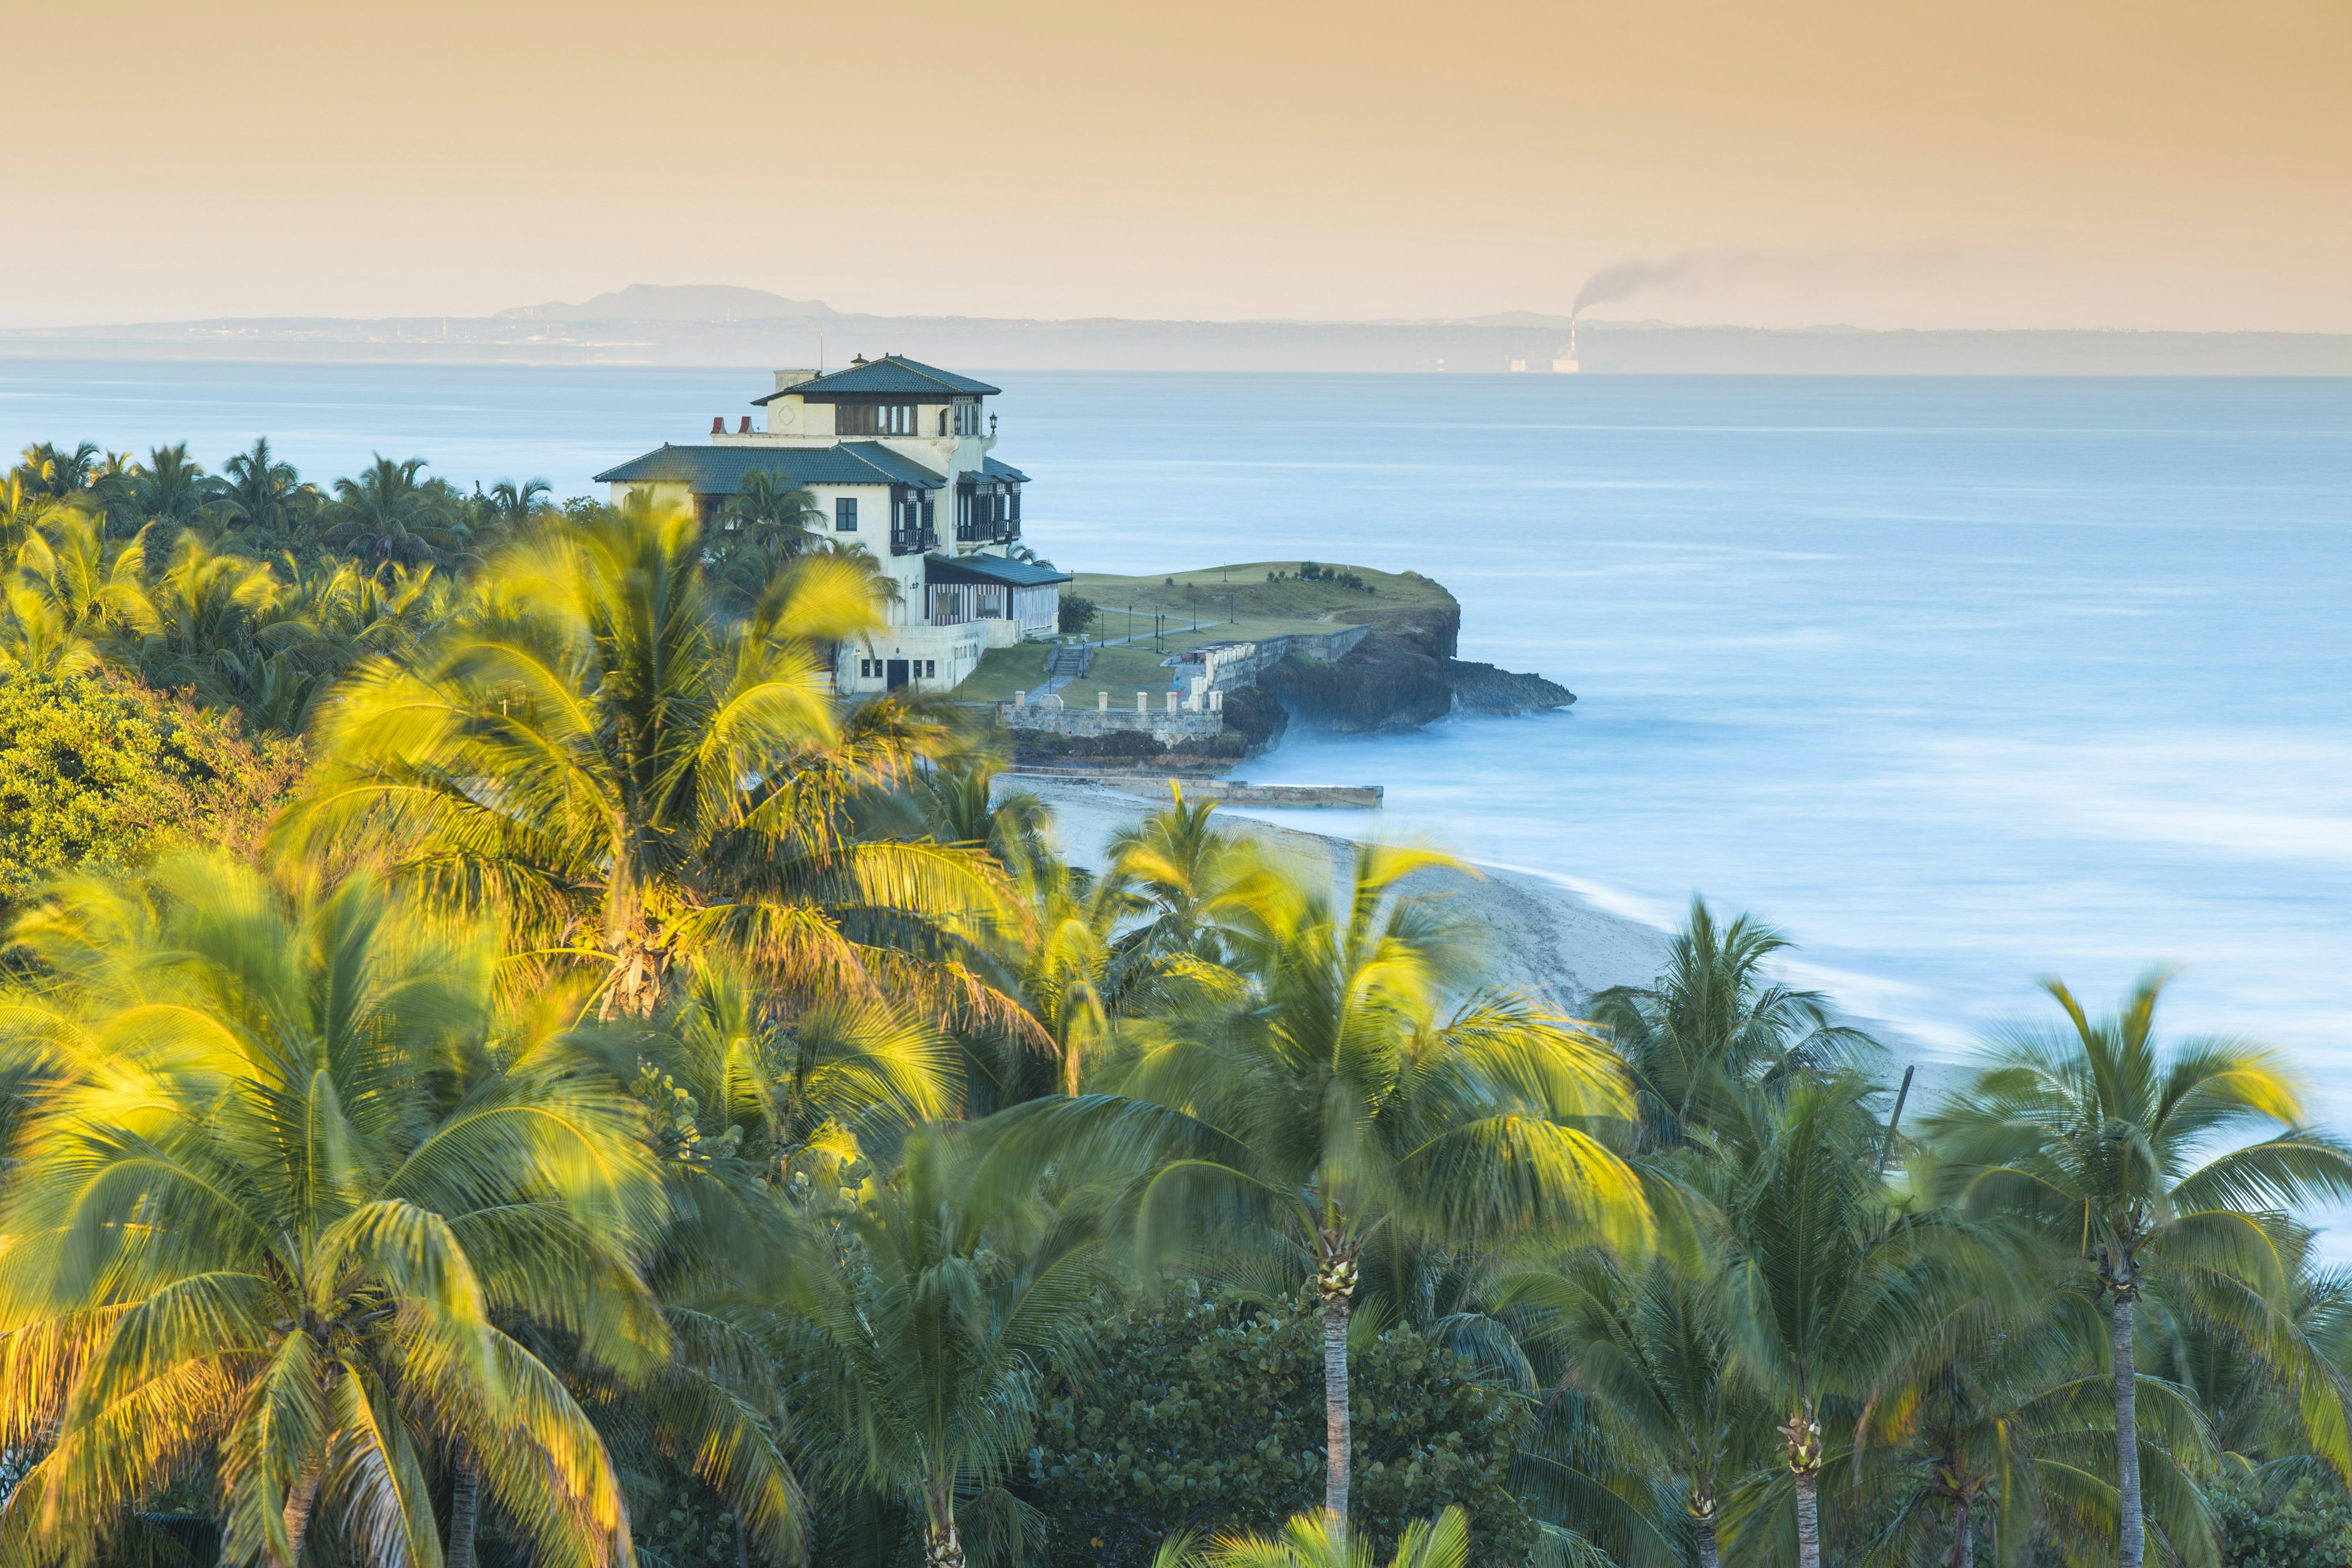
1485	689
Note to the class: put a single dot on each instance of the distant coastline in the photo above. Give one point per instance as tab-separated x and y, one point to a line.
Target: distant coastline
645	326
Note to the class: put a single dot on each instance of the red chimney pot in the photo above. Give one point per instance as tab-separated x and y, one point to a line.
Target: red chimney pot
718	424
744	428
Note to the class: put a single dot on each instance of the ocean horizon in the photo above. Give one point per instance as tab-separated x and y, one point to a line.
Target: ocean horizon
1962	682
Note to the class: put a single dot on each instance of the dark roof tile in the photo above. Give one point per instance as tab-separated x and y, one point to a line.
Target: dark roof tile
999	569
719	470
892	375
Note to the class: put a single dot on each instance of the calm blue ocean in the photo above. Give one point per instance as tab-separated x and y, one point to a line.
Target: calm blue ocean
1961	681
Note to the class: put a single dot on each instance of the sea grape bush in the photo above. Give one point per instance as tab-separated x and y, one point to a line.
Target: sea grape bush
1193	1412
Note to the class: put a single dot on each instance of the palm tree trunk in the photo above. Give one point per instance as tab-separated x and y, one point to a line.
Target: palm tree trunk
1336	1439
1335	1283
942	1546
2132	1535
1703	1528
1964	1534
465	1507
1802	1437
298	1511
1809	1519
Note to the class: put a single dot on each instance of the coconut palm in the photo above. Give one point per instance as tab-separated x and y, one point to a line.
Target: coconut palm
634	779
1650	1349
286	1201
386	514
24	506
518	503
1183	869
842	1074
98	588
923	1331
1826	1280
2093	1133
1311	1541
767	509
171	487
73	596
217	618
1714	1024
56	472
2276	1397
265	493
1348	1076
2000	1427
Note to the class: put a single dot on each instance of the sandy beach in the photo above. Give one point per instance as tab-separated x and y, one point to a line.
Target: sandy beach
1545	939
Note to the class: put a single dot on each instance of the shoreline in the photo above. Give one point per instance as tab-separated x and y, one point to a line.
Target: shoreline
1543	938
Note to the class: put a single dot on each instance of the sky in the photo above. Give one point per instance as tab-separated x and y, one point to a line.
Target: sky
2122	163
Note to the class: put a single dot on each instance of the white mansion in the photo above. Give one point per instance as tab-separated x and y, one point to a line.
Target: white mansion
896	454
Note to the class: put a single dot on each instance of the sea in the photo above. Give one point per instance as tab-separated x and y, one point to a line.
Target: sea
1962	683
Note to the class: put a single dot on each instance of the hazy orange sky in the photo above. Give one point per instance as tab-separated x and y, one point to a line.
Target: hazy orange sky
1884	162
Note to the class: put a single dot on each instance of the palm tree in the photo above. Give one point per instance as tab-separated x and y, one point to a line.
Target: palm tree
843	1075
1346	1076
923	1330
665	783
214	615
265	493
2096	1134
56	472
248	1238
1827	1282
2277	1398
1310	1541
74	596
517	504
1713	1025
1998	1427
1649	1348
771	512
1184	871
385	514
171	487
23	507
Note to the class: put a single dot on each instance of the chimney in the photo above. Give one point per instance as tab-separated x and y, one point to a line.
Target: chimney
788	379
745	427
718	424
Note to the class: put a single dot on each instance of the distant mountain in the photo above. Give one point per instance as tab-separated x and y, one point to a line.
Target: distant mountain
676	302
714	325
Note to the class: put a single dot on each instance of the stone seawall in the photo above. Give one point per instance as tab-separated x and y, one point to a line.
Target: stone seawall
1224	792
1165	726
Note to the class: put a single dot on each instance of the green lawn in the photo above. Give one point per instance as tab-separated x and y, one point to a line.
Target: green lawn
1238	602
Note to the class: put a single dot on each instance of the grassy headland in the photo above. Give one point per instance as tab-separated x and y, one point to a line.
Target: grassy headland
1246	602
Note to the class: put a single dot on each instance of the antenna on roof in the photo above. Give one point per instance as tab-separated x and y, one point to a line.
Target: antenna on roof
819	351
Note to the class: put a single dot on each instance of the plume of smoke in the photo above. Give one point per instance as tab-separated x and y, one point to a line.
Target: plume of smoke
1628	278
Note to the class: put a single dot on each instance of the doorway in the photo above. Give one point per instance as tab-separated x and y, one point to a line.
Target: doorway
895	674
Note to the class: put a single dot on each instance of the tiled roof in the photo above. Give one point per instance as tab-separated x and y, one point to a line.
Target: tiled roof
992	469
999	569
719	470
891	374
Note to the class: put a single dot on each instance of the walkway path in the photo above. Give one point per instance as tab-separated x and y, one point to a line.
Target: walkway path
1055	683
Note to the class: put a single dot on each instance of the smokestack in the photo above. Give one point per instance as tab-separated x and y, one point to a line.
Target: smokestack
1566	363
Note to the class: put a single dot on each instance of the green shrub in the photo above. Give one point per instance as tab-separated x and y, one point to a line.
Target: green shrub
99	773
1206	1415
2308	1526
1077	612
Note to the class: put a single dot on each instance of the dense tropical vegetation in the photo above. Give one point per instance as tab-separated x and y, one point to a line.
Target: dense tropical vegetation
500	1065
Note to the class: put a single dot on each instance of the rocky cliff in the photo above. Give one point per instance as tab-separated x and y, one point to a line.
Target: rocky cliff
1404	674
